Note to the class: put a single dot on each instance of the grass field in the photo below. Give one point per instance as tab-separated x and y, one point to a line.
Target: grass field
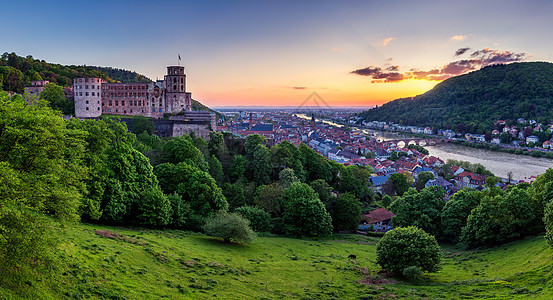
113	263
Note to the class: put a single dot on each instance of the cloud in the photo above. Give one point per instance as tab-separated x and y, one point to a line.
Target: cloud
299	87
461	51
386	41
337	50
377	74
459	37
476	60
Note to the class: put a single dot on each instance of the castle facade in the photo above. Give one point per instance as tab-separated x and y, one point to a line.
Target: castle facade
94	97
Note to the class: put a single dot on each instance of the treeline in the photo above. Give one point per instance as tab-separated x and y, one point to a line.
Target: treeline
16	72
472	102
121	75
474	218
54	172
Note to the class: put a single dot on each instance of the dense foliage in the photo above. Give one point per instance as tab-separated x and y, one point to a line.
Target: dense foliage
406	247
304	213
229	227
477	99
16	72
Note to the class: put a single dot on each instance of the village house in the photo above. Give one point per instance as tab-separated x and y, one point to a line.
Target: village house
469	179
379	220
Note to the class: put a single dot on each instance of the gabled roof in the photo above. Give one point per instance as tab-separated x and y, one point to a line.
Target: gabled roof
378	215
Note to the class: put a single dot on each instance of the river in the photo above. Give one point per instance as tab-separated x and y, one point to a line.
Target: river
499	163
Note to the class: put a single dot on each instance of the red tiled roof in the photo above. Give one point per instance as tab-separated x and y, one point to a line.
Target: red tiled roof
378	215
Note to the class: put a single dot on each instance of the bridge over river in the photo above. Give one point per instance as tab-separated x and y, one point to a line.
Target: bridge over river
418	141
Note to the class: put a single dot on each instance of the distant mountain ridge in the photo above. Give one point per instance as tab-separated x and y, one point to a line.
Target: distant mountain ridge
477	99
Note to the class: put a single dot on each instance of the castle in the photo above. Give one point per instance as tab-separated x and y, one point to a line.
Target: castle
94	97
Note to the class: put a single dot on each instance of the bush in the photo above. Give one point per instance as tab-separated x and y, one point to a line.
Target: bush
412	273
229	226
260	220
408	247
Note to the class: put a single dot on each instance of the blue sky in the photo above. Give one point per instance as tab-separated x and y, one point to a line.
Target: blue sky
279	52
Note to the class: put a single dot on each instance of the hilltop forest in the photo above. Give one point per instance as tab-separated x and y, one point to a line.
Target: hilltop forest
16	72
476	100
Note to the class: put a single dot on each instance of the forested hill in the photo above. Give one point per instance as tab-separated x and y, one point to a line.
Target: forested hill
16	72
123	75
477	99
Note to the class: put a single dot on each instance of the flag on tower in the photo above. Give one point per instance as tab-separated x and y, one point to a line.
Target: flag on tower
179	56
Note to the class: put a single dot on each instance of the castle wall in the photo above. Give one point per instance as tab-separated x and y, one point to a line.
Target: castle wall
200	129
130	99
88	99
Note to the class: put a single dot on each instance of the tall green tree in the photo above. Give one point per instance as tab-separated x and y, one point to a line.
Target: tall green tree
355	180
455	213
499	219
345	212
304	213
421	209
55	96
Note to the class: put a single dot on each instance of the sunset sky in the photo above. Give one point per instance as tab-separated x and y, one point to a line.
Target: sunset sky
274	53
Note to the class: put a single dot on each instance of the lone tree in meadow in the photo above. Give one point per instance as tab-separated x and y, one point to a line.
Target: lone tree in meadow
229	226
408	247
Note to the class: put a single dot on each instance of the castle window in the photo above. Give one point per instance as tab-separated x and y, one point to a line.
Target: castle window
182	80
98	108
122	102
86	87
80	93
131	111
174	87
174	80
86	101
182	87
154	110
99	102
87	108
93	94
110	103
135	103
86	94
116	103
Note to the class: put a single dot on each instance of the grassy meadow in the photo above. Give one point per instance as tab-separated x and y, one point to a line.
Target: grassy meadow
100	262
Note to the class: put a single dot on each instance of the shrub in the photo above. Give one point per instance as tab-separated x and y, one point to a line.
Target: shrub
229	226
412	273
408	247
260	220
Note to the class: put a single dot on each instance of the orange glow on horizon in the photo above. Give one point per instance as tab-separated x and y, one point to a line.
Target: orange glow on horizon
349	94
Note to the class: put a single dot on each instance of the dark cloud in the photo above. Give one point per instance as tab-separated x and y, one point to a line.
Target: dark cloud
477	60
379	76
299	87
461	51
368	71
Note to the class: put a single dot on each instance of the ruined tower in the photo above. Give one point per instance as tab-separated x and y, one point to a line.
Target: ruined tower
177	99
88	99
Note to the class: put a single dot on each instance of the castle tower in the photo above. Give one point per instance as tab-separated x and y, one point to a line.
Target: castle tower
176	97
88	97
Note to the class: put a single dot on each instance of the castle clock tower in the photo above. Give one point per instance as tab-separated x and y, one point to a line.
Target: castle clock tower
176	97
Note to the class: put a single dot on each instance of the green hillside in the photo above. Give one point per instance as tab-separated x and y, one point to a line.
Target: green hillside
477	99
99	262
